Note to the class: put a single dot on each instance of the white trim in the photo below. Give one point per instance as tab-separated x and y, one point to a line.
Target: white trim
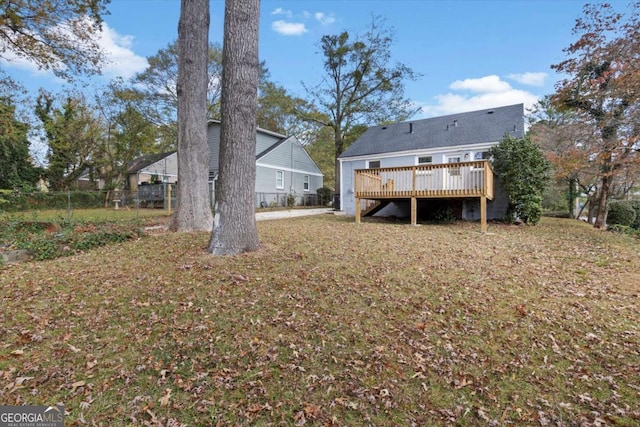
340	186
281	168
368	163
281	187
426	152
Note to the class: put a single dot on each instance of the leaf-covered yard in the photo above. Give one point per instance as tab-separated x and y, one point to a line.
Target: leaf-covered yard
333	323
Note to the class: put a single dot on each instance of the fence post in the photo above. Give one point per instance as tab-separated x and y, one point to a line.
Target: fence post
68	205
169	198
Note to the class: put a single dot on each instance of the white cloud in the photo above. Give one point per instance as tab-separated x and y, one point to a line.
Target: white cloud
11	60
476	94
281	11
324	19
121	60
289	28
487	84
531	79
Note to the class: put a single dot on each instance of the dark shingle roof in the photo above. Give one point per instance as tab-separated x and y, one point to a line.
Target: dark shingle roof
474	127
146	160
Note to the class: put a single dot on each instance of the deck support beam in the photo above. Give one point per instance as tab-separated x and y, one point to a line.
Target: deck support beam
414	211
358	211
483	214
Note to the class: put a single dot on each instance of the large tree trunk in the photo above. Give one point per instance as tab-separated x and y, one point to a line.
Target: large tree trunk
234	225
193	212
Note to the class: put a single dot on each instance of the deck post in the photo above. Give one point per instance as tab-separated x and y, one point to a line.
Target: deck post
414	211
358	211
483	214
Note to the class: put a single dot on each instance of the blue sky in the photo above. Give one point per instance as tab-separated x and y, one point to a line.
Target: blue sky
472	54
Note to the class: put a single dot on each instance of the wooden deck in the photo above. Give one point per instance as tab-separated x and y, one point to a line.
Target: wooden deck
447	180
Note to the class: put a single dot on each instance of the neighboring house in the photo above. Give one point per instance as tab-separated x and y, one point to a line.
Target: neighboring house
283	167
85	181
399	168
152	169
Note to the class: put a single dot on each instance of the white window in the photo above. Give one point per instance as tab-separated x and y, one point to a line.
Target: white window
280	180
481	155
306	183
454	159
374	164
423	160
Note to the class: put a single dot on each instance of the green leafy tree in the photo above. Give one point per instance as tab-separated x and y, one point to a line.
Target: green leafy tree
158	85
361	85
73	135
321	149
524	174
15	162
602	87
128	132
56	35
565	140
278	112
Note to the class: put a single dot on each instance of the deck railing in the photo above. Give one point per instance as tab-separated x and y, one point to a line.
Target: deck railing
464	179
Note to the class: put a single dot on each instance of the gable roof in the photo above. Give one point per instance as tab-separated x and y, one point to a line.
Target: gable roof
148	159
475	127
278	138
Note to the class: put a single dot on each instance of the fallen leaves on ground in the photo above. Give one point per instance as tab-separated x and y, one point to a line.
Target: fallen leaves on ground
333	323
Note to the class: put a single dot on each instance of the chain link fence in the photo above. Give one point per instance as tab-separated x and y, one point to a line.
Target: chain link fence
147	196
152	196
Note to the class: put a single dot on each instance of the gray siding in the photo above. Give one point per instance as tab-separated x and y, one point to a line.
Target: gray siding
167	167
291	158
264	141
277	153
213	139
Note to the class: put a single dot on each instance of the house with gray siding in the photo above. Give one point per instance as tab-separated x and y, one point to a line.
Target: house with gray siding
284	169
399	169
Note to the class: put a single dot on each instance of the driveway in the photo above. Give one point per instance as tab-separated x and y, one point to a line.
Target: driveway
291	213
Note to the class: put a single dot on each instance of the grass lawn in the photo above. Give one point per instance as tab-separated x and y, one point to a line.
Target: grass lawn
333	323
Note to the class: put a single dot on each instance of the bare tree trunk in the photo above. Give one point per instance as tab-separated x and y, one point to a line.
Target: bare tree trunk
234	225
339	148
193	212
601	213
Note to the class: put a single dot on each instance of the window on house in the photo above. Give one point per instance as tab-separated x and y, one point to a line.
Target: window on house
280	180
454	171
374	164
306	183
484	155
425	160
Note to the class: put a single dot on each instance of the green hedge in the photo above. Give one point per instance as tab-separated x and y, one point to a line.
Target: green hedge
621	213
11	201
635	204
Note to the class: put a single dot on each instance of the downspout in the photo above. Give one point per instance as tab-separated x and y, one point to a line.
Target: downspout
340	186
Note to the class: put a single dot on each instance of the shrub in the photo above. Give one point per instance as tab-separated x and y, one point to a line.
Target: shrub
624	229
621	213
530	208
635	204
524	173
324	195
